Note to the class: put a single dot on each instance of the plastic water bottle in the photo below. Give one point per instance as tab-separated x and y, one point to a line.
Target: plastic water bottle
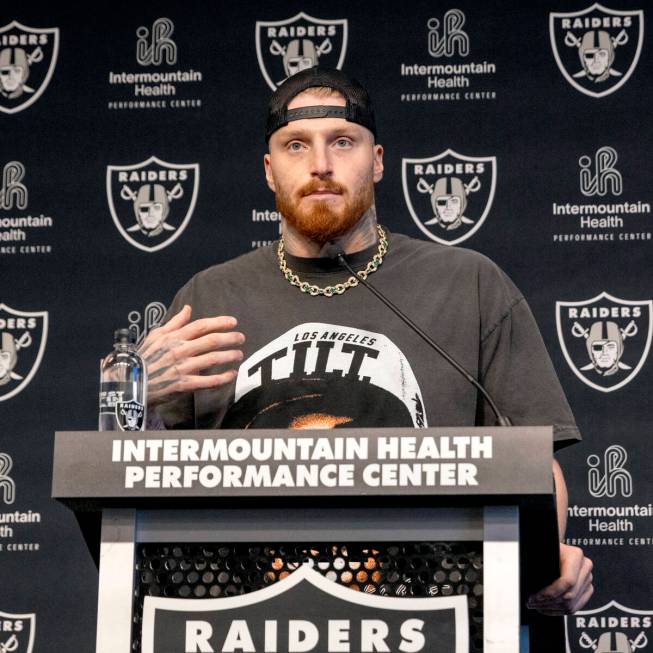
123	386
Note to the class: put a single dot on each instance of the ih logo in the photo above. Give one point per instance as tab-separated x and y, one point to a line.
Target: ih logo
599	176
28	56
13	193
449	195
598	48
142	324
154	46
152	202
17	632
285	47
22	343
7	485
609	477
611	628
605	339
448	39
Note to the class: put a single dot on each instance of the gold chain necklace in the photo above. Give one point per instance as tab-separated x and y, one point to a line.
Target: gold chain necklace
338	288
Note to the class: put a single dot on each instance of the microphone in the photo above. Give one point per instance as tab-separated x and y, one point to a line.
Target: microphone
335	251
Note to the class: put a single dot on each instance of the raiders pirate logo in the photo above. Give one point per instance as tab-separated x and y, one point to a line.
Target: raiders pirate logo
612	628
605	340
22	343
285	47
28	56
130	415
449	195
152	202
597	49
17	632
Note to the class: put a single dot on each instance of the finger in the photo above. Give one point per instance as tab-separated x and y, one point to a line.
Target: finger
583	599
203	362
570	602
584	576
199	382
176	321
165	388
570	566
210	342
205	325
565	607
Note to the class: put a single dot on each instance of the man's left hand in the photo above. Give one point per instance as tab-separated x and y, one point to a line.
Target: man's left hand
571	591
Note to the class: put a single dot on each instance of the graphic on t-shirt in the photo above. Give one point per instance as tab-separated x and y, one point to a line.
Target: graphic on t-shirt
320	375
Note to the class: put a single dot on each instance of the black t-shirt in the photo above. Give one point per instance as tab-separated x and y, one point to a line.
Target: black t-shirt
346	360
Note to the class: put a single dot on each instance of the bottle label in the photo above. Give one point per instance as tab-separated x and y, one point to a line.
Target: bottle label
130	415
112	392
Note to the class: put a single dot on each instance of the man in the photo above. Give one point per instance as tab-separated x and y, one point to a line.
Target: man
14	71
151	208
605	345
320	350
449	201
596	53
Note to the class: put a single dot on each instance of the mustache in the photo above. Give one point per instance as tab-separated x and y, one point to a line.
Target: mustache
316	185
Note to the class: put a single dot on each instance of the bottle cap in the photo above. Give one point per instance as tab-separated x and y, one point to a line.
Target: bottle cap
124	336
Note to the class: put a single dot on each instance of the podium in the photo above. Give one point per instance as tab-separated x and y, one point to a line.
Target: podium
252	526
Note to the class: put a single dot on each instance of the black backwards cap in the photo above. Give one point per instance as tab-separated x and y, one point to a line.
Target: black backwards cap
358	106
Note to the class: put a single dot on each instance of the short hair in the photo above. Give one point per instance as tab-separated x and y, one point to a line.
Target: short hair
320	91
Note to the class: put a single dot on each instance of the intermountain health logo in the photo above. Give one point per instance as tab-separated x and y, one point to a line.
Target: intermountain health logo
141	323
17	632
612	214
28	56
152	202
612	628
156	83
285	47
605	340
597	49
449	75
22	342
449	195
7	484
16	229
607	475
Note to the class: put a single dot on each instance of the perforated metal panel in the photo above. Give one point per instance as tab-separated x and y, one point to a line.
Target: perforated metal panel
416	569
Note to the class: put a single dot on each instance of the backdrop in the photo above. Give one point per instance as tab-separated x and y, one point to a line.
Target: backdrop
537	119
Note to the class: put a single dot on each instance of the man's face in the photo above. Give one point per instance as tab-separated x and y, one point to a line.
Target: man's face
448	208
5	363
150	214
605	353
11	77
323	171
596	60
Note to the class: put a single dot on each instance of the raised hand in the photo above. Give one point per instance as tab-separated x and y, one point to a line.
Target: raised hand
177	352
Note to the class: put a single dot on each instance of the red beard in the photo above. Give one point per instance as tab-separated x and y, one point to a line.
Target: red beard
322	222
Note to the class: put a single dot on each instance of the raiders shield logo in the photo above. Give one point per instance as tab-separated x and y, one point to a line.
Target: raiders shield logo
28	56
152	202
449	195
285	47
611	628
298	613
605	340
598	48
22	343
17	632
130	415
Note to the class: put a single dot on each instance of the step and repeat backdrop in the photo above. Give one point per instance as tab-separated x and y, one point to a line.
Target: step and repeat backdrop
131	158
